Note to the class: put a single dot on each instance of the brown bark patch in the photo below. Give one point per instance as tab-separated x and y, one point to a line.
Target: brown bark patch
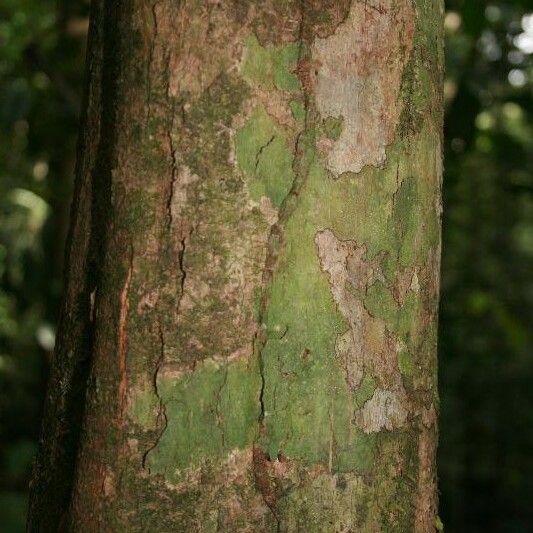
426	505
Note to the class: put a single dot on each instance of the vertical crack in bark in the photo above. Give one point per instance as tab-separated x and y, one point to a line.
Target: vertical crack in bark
162	419
275	241
257	338
276	233
286	209
150	58
181	263
173	175
260	152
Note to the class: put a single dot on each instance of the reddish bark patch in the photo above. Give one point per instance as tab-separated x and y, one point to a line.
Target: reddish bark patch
122	345
263	480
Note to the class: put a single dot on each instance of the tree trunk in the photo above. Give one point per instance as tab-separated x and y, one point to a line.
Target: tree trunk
253	272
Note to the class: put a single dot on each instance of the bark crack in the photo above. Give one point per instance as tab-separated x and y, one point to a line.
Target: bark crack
274	245
286	209
181	263
219	415
162	419
261	374
259	153
173	176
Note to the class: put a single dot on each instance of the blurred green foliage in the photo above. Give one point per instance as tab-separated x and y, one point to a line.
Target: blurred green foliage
41	71
486	465
486	349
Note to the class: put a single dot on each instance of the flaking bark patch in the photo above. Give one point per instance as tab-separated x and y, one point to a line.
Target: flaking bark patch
349	275
367	347
385	410
359	79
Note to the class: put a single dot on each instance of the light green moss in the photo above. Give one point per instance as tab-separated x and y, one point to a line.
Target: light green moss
257	66
263	154
298	110
309	407
405	363
358	454
284	60
143	406
365	391
380	302
332	127
408	219
271	67
300	365
210	412
400	320
406	322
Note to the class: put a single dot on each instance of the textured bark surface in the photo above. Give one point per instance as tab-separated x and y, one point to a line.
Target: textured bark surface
253	273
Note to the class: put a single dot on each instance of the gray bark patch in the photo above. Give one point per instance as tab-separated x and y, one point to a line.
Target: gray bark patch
359	78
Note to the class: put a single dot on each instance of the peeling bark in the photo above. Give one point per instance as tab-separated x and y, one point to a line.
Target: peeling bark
359	77
262	213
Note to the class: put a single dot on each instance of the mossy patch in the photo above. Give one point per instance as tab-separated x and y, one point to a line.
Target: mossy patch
380	303
407	217
298	110
210	412
271	67
309	406
143	406
358	455
264	156
406	363
365	391
332	127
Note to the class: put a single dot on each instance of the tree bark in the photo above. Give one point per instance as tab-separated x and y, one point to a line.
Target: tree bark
253	273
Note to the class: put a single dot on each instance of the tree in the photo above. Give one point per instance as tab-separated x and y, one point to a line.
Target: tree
248	338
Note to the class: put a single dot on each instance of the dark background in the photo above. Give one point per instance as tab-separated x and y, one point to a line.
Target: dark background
486	366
